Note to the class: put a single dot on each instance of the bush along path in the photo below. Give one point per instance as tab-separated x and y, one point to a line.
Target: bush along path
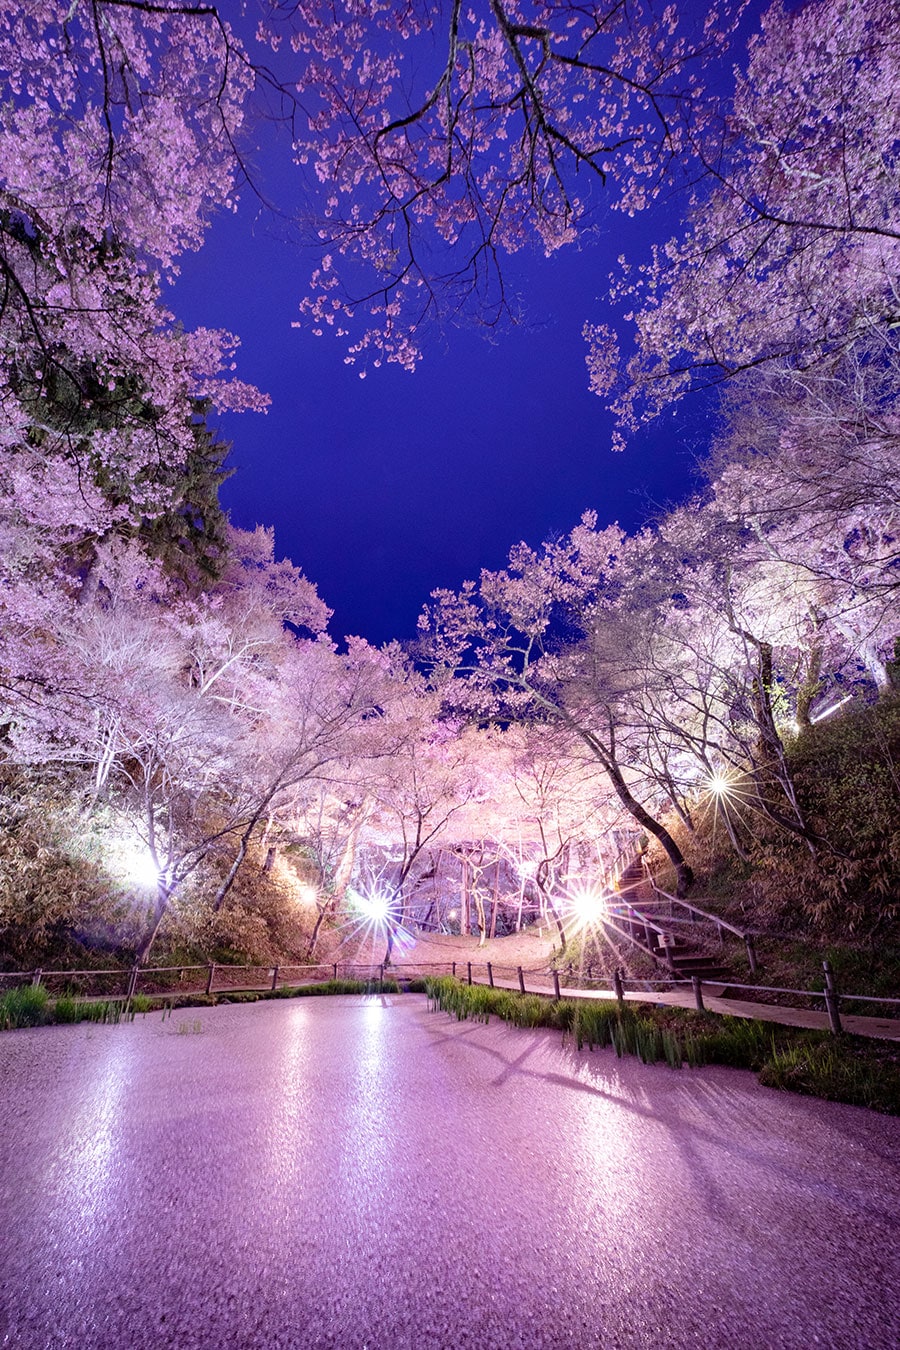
849	1069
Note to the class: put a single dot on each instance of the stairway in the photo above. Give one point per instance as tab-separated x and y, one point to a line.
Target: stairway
634	914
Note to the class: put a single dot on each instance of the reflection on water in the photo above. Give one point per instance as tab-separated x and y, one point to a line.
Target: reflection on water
83	1175
298	1170
289	1143
368	1136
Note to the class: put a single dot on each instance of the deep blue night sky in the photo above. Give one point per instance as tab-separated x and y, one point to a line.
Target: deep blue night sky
383	488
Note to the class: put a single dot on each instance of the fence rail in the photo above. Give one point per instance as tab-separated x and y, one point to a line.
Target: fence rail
224	979
695	912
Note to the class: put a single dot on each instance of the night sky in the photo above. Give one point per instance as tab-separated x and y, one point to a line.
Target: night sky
383	488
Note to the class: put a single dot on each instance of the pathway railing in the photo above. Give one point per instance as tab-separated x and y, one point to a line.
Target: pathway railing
212	978
696	914
209	978
552	984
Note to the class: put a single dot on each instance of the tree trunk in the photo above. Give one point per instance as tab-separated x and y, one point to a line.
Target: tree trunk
465	917
163	896
810	686
548	902
683	873
234	868
480	916
495	902
342	876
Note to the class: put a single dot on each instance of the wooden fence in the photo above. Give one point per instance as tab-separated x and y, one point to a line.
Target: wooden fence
211	978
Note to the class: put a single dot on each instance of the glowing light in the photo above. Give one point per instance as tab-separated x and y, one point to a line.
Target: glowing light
586	904
138	866
820	717
374	906
719	785
307	894
454	914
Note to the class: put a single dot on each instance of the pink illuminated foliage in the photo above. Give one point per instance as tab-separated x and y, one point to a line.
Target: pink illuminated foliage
117	142
189	690
792	248
447	137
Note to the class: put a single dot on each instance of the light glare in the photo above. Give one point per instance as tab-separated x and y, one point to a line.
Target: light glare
139	867
374	905
587	904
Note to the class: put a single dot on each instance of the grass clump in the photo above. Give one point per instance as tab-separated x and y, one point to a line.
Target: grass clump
820	1069
339	987
849	1070
25	1006
31	1006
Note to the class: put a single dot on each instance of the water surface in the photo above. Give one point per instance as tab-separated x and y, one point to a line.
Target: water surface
353	1172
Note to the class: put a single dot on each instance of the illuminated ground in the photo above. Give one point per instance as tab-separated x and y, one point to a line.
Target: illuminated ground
363	1173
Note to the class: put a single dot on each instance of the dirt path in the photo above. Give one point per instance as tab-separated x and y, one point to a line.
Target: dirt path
528	949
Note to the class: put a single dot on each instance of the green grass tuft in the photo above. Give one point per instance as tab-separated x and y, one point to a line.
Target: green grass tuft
26	1006
821	1070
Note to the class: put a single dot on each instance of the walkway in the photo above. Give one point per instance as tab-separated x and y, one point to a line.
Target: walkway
533	953
881	1028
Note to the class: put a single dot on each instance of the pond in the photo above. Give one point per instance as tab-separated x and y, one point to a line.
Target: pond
352	1172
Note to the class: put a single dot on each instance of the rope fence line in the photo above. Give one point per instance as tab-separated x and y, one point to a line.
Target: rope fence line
213	978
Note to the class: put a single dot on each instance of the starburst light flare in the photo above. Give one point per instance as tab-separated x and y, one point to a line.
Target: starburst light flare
372	905
586	905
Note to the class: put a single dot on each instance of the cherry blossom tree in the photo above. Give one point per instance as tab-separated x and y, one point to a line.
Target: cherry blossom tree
447	137
792	247
426	777
117	141
503	638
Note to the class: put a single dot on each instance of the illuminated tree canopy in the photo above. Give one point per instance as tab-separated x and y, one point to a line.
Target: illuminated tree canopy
178	679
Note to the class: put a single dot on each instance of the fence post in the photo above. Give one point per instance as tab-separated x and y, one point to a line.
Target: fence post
556	993
36	977
469	970
490	974
698	992
209	978
275	978
334	969
381	973
618	986
751	953
453	970
521	980
132	981
832	999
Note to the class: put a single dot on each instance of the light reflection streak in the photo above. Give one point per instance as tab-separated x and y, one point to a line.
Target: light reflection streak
367	1133
290	1141
85	1173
